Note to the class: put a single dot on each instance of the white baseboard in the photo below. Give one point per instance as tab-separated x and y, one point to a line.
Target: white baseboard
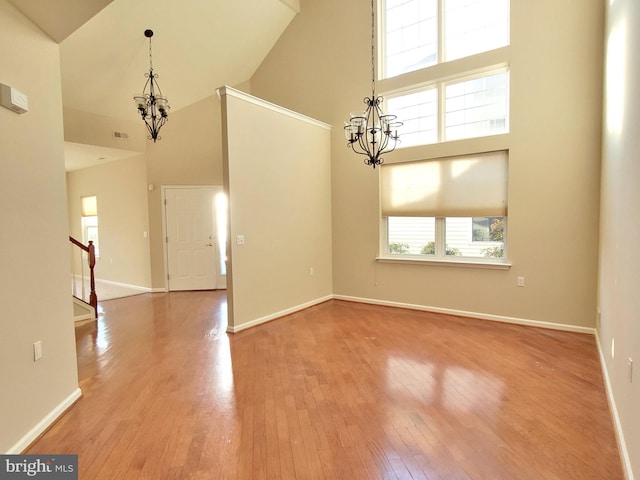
125	285
45	423
622	445
463	313
273	316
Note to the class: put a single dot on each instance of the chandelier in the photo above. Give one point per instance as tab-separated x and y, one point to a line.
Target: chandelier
372	133
152	106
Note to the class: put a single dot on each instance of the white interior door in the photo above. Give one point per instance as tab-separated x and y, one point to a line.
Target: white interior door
193	250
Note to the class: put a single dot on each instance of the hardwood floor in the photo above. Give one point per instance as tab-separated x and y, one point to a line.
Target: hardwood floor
338	391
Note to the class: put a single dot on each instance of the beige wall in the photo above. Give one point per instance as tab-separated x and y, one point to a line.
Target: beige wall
123	215
34	247
321	67
280	201
91	129
620	221
189	153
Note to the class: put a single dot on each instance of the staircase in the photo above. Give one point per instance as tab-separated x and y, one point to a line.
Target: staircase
85	307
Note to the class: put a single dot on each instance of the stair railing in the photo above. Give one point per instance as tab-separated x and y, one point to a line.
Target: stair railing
91	257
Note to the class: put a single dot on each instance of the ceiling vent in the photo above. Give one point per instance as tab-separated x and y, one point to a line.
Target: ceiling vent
120	135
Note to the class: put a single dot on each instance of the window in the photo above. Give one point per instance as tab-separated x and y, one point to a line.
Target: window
474	26
89	221
419	113
473	107
417	34
476	107
411	35
447	209
462	99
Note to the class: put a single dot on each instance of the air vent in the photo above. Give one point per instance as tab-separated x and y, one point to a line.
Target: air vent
120	135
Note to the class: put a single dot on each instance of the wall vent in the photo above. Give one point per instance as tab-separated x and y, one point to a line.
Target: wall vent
120	135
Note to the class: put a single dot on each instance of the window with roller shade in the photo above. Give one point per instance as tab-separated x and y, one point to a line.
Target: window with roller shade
89	221
449	208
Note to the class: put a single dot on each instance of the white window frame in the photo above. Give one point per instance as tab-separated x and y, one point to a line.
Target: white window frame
439	74
439	258
440	88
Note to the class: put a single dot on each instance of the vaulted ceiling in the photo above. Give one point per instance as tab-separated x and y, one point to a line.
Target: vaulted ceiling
198	46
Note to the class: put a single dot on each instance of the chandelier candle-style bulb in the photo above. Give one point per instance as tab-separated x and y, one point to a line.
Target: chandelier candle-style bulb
373	133
151	105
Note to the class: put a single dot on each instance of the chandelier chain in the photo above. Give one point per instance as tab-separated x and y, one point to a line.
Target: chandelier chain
373	53
150	56
372	133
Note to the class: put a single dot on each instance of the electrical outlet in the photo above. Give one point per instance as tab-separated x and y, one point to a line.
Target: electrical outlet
630	363
37	351
521	281
311	271
239	239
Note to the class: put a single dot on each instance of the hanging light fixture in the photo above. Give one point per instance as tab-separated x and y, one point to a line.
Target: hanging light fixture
152	106
372	133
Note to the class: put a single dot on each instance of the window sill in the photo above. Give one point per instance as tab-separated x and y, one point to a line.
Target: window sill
466	263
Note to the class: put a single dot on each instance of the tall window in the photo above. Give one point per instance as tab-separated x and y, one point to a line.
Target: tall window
469	99
449	208
89	221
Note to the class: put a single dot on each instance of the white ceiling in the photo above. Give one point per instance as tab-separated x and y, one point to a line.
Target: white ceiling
198	46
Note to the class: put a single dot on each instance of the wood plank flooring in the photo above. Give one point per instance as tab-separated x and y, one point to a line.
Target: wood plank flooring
338	391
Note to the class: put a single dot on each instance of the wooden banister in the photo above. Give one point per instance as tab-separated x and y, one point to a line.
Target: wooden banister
91	254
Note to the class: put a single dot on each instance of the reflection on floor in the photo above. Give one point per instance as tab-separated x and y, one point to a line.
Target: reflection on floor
340	390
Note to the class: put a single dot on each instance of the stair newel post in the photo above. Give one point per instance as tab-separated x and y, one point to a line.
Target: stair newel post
93	298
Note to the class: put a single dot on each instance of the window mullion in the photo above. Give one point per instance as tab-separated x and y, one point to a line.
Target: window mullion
441	31
440	237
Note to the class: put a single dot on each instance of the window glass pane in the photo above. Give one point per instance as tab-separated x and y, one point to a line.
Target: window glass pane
411	235
474	26
418	112
480	237
90	232
411	35
477	107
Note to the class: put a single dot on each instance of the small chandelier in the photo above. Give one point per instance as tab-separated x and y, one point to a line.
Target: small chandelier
152	106
372	133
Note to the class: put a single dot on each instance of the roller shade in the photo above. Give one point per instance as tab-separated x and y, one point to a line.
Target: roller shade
465	186
89	206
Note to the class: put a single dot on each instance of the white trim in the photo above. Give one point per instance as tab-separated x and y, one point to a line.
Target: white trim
158	290
463	313
622	445
45	423
90	315
125	285
468	262
232	92
273	316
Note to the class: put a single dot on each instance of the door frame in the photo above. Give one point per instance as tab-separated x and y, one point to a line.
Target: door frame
163	204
